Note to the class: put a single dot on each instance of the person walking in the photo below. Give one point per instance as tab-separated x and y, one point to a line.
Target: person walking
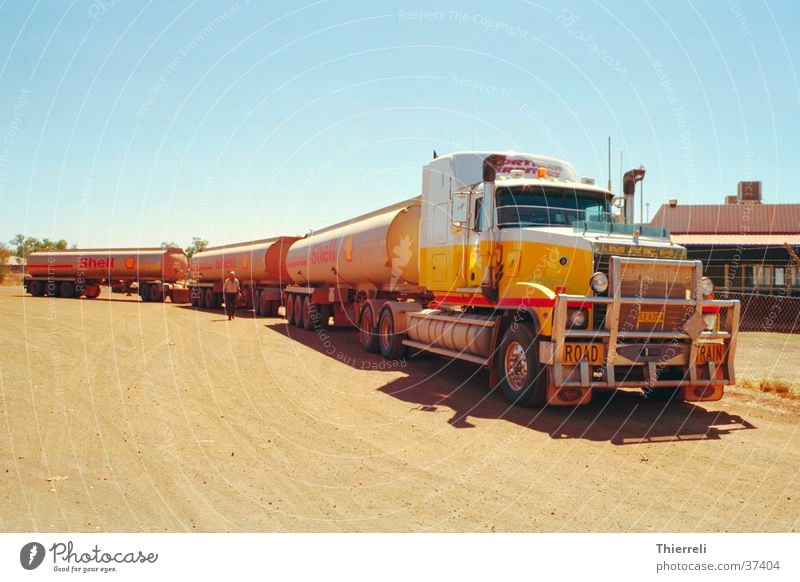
231	289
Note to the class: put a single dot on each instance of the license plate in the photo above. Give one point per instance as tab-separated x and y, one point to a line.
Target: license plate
595	354
710	353
650	317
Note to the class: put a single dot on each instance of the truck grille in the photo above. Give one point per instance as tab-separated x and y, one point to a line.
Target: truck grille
654	280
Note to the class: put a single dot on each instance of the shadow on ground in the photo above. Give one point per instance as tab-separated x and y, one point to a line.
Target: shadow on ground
432	383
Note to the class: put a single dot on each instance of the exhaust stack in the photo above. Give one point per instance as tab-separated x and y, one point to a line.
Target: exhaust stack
629	181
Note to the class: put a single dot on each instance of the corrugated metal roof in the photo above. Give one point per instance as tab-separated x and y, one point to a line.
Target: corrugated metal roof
737	239
729	218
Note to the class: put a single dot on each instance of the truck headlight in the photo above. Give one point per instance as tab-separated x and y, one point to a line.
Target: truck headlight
599	282
706	286
577	317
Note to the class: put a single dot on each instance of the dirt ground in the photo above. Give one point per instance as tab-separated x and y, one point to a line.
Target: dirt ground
122	416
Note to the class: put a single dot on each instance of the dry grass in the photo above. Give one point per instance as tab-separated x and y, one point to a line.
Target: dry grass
12	279
772	386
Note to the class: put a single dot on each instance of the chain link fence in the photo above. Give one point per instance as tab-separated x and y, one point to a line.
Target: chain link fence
766	313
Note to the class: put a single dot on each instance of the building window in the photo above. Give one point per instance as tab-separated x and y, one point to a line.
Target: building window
794	277
779	274
757	277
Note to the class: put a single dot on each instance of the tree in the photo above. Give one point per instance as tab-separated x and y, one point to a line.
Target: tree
198	245
23	246
169	245
5	253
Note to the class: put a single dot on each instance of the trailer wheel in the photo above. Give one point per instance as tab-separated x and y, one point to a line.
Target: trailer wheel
366	331
208	299
36	288
312	315
51	289
144	292
289	311
266	306
156	294
522	381
192	297
66	289
91	291
272	308
391	343
298	310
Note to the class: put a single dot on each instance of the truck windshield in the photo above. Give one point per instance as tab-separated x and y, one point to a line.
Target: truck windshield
549	206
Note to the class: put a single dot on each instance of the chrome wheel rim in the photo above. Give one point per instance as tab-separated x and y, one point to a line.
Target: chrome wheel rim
386	332
516	366
366	326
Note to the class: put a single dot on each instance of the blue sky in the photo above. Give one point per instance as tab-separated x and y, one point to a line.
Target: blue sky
129	123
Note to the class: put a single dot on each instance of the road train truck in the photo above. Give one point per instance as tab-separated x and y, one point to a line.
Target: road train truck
513	262
259	265
81	272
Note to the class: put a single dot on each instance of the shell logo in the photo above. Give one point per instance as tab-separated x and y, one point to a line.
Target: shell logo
130	262
348	249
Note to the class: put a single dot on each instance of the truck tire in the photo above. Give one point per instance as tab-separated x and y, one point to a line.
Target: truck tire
298	310
312	314
66	289
91	291
51	289
262	303
156	294
273	308
289	311
367	332
192	297
209	298
391	343
522	381
144	292
36	288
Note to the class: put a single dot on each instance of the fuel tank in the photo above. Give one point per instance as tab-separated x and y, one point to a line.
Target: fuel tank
256	262
168	265
380	249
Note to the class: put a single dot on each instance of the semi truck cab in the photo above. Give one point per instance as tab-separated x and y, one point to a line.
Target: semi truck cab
575	301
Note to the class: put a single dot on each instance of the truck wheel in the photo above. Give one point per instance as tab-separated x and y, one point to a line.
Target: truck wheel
92	291
208	301
66	289
144	292
312	315
523	383
298	310
260	304
266	307
257	303
391	343
156	294
366	331
289	309
272	308
51	289
192	297
36	288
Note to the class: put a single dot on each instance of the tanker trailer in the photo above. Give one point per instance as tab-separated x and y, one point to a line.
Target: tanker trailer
260	267
346	270
80	272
